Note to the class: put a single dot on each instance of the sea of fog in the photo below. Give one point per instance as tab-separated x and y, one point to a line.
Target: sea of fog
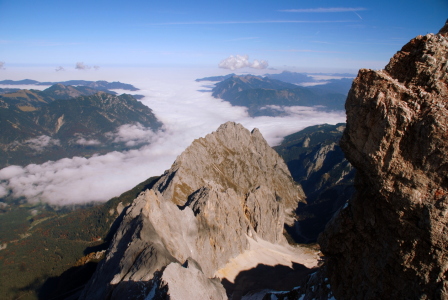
187	110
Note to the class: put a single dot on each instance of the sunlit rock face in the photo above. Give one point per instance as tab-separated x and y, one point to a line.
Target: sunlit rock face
222	192
391	241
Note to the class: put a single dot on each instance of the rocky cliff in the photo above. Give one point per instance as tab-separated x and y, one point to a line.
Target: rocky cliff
224	194
391	240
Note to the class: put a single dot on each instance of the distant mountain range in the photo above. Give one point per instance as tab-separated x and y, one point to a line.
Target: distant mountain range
215	78
292	77
99	85
65	121
265	96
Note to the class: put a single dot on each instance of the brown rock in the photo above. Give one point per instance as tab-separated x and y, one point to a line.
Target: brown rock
391	241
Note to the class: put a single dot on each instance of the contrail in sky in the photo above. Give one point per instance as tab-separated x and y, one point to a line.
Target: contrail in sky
357	14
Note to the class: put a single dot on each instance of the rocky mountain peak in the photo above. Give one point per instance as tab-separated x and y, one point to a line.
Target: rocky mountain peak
418	64
224	191
394	230
444	29
230	158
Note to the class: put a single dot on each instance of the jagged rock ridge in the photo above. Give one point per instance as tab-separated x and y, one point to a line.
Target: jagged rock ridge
225	190
391	241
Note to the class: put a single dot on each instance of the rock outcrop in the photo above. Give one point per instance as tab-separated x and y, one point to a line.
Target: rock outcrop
222	192
391	240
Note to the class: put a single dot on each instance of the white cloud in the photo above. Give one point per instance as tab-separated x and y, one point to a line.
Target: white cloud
262	64
133	134
242	61
81	66
60	68
3	193
187	114
2	63
38	144
83	141
11	172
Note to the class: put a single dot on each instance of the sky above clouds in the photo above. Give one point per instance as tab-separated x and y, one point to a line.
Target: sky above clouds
302	34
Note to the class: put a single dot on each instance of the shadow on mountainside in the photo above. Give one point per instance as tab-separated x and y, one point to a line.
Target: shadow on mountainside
279	278
71	282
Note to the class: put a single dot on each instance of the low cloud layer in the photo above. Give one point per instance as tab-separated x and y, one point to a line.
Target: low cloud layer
41	142
133	135
187	114
242	61
85	142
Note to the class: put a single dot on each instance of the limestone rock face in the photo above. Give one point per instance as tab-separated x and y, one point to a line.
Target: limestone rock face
391	241
224	189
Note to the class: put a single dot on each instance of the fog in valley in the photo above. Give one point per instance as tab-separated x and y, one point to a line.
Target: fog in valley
184	106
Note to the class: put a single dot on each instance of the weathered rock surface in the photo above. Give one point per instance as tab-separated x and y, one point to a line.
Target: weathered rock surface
391	241
224	190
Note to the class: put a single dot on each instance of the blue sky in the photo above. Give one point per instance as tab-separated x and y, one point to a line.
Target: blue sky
287	34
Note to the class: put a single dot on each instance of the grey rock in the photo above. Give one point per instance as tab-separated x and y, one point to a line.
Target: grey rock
221	191
190	284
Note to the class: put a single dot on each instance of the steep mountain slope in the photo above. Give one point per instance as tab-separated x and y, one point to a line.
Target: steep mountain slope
25	100
318	164
64	92
391	241
29	100
262	95
92	116
63	128
226	194
42	248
